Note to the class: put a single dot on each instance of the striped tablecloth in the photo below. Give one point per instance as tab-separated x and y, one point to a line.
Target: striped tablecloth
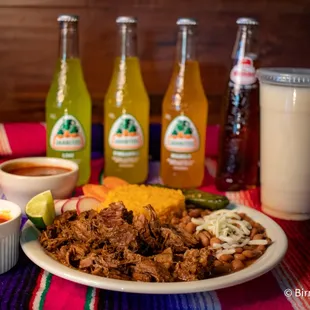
287	286
27	286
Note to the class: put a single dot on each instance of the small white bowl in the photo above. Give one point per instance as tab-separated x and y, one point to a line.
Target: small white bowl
9	235
20	189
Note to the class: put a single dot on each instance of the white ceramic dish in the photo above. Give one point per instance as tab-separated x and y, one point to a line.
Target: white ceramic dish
273	255
20	189
9	235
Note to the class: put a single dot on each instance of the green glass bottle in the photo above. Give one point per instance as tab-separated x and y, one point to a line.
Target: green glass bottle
68	103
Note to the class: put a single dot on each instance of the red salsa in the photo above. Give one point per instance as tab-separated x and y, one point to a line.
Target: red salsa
34	170
4	218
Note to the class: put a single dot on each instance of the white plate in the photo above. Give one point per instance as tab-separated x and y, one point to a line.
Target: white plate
273	255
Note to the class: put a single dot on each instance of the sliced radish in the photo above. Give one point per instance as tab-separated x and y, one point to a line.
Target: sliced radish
70	204
58	205
87	203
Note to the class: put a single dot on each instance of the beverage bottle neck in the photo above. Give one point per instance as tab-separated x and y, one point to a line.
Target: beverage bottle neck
68	40
246	43
186	74
245	55
68	69
127	72
127	37
186	47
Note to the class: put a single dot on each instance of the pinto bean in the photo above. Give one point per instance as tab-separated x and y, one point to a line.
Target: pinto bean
186	219
207	234
251	254
237	265
239	257
190	227
242	215
261	248
249	220
248	254
259	227
258	253
205	241
218	263
258	237
215	240
227	265
205	212
222	269
249	247
194	213
226	258
253	233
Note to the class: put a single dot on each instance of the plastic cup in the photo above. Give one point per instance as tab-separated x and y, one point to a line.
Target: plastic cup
285	142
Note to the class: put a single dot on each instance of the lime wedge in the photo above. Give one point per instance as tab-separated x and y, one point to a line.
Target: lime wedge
40	210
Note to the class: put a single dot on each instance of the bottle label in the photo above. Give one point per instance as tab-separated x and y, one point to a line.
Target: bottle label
126	134
67	135
181	139
181	136
125	139
243	73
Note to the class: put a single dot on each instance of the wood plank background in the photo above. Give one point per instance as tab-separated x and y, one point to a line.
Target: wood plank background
29	45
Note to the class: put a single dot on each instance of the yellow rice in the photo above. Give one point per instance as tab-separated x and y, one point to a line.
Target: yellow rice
164	201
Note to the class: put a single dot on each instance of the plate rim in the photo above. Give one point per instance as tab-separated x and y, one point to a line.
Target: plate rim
256	270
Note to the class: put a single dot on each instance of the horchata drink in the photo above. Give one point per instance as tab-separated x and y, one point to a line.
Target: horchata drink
126	111
285	142
184	116
68	104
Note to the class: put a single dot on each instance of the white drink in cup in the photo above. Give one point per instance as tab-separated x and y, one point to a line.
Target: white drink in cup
285	142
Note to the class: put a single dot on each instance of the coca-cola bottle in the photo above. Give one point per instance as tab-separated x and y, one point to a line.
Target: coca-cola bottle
239	137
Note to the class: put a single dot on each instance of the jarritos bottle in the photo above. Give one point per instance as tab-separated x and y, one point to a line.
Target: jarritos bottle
184	116
68	104
126	111
239	138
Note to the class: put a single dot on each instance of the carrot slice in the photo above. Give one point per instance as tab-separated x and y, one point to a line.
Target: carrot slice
99	192
113	182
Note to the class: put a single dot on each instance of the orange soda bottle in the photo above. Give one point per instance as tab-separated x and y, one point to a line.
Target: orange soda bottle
184	116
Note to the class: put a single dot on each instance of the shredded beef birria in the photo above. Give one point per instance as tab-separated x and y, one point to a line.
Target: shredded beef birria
116	244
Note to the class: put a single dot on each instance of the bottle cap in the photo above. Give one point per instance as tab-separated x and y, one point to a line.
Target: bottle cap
246	21
126	20
299	77
68	18
186	22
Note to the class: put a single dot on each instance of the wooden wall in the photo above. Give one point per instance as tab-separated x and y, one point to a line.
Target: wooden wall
29	44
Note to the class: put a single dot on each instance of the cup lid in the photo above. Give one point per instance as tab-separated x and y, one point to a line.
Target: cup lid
285	76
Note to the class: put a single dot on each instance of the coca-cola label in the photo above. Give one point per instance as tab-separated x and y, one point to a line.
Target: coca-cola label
243	73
